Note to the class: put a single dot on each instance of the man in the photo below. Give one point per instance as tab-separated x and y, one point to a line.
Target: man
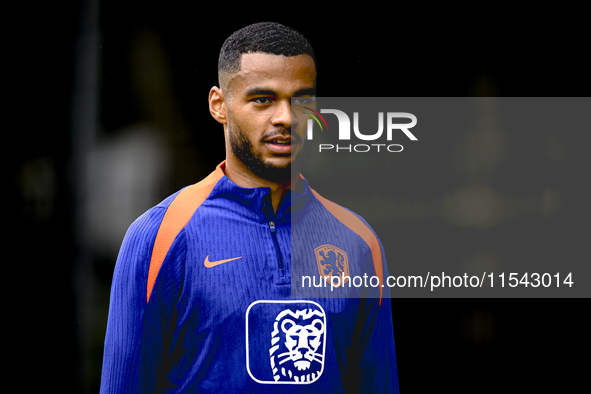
201	295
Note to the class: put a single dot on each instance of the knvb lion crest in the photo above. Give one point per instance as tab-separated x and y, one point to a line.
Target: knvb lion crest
332	263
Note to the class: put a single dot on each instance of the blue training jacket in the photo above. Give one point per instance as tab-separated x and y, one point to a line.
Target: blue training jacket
203	292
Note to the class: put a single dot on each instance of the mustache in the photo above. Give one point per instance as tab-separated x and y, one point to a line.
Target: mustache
280	133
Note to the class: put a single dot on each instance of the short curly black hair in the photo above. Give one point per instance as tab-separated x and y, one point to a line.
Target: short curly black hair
266	37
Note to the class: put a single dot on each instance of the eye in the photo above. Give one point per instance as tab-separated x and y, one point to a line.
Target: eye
302	100
262	100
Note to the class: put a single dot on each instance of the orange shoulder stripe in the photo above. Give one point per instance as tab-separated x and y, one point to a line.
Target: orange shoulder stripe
178	214
356	225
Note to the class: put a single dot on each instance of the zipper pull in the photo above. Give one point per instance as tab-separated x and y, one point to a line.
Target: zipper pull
268	212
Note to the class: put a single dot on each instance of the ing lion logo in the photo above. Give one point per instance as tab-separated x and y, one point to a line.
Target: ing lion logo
332	262
297	346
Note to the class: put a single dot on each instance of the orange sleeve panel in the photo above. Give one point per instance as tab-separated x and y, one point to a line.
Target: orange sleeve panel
178	214
356	225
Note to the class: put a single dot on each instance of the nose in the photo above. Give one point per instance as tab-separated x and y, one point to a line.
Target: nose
303	350
283	115
303	344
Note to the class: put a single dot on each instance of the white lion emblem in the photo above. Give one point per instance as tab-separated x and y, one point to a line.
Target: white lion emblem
300	335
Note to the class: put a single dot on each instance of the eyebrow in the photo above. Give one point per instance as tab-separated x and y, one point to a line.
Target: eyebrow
260	92
268	92
306	92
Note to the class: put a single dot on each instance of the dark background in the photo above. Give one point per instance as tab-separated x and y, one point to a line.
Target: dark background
113	118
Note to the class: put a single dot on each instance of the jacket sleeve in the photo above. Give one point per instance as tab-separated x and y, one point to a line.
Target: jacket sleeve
374	339
133	359
378	356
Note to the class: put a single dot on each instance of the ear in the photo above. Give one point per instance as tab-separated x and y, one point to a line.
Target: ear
285	322
217	105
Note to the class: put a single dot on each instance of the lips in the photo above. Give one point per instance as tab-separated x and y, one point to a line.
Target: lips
280	143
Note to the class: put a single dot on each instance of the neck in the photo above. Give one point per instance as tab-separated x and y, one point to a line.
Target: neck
243	177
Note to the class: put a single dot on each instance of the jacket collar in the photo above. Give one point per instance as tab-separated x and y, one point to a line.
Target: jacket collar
253	198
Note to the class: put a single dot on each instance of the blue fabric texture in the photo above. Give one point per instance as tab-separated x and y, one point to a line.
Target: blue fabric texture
235	327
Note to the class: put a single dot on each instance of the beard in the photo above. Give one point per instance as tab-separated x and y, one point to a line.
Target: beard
243	149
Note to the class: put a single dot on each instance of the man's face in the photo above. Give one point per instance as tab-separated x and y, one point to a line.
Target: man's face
263	130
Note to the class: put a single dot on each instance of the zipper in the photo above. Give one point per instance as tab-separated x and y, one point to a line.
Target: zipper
271	219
